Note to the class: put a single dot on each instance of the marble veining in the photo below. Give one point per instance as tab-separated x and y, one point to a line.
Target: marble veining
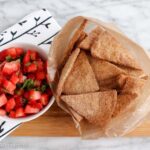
52	143
131	16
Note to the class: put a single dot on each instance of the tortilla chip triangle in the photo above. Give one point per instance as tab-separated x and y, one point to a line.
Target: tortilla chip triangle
108	84
88	41
75	37
76	116
103	69
131	71
131	89
131	84
96	107
108	48
106	73
123	101
66	70
82	37
81	79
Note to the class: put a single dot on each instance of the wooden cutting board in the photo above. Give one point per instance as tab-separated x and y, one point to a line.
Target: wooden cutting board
56	122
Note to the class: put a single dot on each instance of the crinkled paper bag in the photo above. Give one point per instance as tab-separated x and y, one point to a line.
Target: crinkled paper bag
135	114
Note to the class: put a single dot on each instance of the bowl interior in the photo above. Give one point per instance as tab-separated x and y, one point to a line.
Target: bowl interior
43	53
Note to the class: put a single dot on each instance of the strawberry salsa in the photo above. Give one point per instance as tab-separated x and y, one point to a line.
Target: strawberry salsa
24	89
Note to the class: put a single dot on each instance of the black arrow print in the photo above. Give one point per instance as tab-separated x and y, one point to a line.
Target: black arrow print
2	34
48	40
13	33
37	19
47	25
22	22
1	126
1	40
34	33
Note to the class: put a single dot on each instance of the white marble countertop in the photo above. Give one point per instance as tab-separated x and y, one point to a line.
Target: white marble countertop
132	16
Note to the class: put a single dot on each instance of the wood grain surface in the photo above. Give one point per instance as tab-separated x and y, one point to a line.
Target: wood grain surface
56	122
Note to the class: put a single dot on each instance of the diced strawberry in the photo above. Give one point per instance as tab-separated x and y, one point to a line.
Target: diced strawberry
1	79
1	90
19	92
14	79
2	65
26	58
46	64
2	112
40	75
21	78
33	55
44	99
31	68
3	100
12	52
19	51
34	95
32	102
37	83
19	112
10	104
9	86
31	110
36	104
24	78
3	55
24	69
14	96
11	67
39	106
40	65
47	78
31	76
26	95
19	102
12	114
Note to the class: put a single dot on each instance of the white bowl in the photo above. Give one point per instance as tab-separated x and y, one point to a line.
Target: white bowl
44	55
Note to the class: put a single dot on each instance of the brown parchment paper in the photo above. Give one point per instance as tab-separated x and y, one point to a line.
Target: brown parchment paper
134	114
